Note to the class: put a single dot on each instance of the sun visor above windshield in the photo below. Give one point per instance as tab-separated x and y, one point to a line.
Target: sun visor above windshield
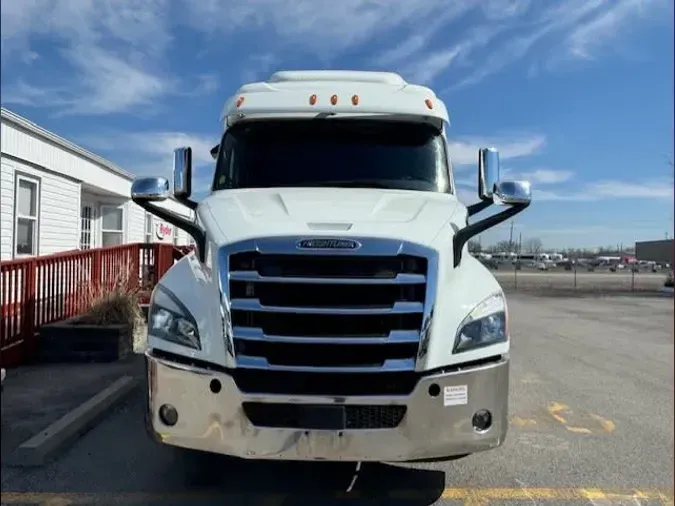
373	102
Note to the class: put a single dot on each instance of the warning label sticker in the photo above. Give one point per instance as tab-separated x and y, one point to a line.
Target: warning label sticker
454	396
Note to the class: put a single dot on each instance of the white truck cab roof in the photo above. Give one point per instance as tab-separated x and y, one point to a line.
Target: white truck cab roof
339	93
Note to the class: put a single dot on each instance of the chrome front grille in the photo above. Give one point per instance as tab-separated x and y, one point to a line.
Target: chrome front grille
326	310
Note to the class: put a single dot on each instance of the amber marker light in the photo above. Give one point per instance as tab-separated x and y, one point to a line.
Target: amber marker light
355	100
240	101
430	104
312	100
333	100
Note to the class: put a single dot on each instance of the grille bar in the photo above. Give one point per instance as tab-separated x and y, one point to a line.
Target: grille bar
397	308
400	279
395	336
263	363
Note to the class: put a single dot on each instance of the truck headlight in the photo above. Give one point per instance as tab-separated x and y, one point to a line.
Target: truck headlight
486	324
170	320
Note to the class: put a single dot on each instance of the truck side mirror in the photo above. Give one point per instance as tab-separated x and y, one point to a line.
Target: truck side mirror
146	191
512	193
488	172
182	173
150	189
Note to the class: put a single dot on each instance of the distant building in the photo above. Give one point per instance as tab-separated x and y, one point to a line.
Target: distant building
662	251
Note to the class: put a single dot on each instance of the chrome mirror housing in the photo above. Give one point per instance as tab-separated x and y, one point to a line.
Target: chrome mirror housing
182	172
488	172
150	189
512	192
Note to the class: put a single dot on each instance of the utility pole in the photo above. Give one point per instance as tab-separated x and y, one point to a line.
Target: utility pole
511	238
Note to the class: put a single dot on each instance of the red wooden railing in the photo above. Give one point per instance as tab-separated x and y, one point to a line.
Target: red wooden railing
40	290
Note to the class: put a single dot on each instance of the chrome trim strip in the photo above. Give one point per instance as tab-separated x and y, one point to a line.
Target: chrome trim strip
261	363
395	336
177	365
285	245
400	279
398	308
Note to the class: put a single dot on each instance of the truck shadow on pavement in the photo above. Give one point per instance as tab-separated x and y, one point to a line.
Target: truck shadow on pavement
305	483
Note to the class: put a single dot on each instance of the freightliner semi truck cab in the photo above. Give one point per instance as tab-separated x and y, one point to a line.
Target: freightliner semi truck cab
331	310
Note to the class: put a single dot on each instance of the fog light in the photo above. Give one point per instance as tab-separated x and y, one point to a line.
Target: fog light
168	415
482	420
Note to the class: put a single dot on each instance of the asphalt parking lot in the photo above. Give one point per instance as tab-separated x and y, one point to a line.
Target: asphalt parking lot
591	423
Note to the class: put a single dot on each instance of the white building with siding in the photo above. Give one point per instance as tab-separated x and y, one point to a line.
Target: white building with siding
56	196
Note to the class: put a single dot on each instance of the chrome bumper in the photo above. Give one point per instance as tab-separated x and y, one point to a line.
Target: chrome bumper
430	430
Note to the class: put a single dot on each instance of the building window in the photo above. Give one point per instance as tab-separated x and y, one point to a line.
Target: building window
27	213
112	226
86	215
148	227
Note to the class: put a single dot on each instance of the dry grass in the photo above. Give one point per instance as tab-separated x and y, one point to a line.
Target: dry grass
114	303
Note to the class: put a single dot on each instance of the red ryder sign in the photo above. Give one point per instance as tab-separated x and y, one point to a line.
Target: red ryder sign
163	231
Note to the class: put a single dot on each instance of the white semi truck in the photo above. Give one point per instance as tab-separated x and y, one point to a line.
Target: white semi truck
331	310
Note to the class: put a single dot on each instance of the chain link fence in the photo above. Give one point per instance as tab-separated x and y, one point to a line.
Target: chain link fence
579	280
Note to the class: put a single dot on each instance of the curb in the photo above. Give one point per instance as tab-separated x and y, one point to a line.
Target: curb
42	447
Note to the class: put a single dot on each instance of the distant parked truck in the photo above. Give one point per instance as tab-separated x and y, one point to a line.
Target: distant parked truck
331	311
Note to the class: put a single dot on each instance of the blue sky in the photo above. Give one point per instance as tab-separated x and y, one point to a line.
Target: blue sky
576	94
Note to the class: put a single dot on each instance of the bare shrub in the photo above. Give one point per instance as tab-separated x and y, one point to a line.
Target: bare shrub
116	301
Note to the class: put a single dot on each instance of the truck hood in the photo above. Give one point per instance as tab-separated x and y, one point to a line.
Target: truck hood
235	215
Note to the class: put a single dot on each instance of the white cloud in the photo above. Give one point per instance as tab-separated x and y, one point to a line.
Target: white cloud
578	24
498	10
106	84
407	48
554	188
465	151
324	25
426	69
610	189
541	176
142	24
206	84
257	66
604	25
497	34
151	153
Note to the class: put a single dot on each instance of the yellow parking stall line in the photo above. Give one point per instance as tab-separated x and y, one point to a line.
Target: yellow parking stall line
553	494
518	421
579	430
607	425
554	410
562	413
469	496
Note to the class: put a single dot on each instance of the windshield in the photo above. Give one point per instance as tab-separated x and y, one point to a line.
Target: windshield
333	152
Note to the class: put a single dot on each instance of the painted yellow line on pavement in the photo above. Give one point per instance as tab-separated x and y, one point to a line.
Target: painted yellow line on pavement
469	496
562	413
519	421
